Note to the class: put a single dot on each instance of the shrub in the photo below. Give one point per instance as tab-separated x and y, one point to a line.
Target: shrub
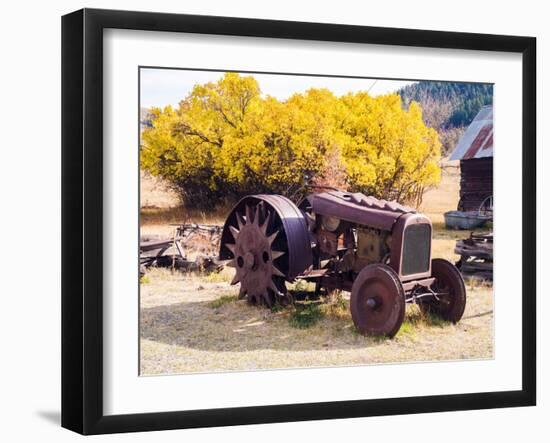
226	140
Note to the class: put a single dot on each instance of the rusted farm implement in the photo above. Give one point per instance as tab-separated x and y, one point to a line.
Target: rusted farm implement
380	251
476	255
153	250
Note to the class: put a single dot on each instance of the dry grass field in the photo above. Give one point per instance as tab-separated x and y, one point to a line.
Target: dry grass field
154	193
194	323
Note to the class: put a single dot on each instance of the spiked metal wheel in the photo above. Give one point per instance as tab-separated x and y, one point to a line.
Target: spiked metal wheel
265	237
254	257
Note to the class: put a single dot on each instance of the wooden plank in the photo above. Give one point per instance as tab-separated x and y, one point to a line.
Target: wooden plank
156	244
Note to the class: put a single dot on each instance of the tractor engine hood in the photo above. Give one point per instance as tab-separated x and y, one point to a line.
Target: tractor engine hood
358	208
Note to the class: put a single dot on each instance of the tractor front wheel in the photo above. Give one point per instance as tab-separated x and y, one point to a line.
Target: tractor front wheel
450	299
377	301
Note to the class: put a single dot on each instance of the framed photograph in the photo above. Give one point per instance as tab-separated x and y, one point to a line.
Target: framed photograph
269	221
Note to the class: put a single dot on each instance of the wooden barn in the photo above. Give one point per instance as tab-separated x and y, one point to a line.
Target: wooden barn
475	152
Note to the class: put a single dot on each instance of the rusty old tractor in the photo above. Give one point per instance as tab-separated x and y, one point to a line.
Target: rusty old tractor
378	250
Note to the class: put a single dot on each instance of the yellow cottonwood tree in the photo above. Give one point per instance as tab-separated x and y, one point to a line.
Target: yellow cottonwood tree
226	140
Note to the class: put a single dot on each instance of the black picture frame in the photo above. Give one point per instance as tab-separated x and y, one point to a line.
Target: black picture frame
82	215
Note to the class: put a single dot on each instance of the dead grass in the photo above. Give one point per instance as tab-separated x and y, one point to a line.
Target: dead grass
219	302
155	193
189	325
162	221
445	196
180	214
160	209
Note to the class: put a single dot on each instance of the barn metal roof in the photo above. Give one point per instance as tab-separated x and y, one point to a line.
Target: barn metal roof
477	141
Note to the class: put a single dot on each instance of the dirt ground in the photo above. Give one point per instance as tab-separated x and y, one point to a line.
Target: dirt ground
194	323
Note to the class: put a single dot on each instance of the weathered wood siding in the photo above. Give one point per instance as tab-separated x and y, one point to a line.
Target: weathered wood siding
476	182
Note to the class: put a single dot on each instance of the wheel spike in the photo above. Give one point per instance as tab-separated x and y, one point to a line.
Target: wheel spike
257	215
265	225
248	212
272	237
267	299
287	298
235	279
276	272
276	254
266	214
234	231
274	287
240	220
242	292
231	247
232	263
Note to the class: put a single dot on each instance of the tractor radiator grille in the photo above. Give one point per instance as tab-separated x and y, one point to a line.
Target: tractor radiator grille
416	249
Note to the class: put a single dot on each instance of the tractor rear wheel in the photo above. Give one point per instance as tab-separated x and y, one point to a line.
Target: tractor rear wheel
377	301
451	292
265	238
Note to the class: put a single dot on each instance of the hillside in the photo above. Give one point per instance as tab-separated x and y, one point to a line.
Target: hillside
448	107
